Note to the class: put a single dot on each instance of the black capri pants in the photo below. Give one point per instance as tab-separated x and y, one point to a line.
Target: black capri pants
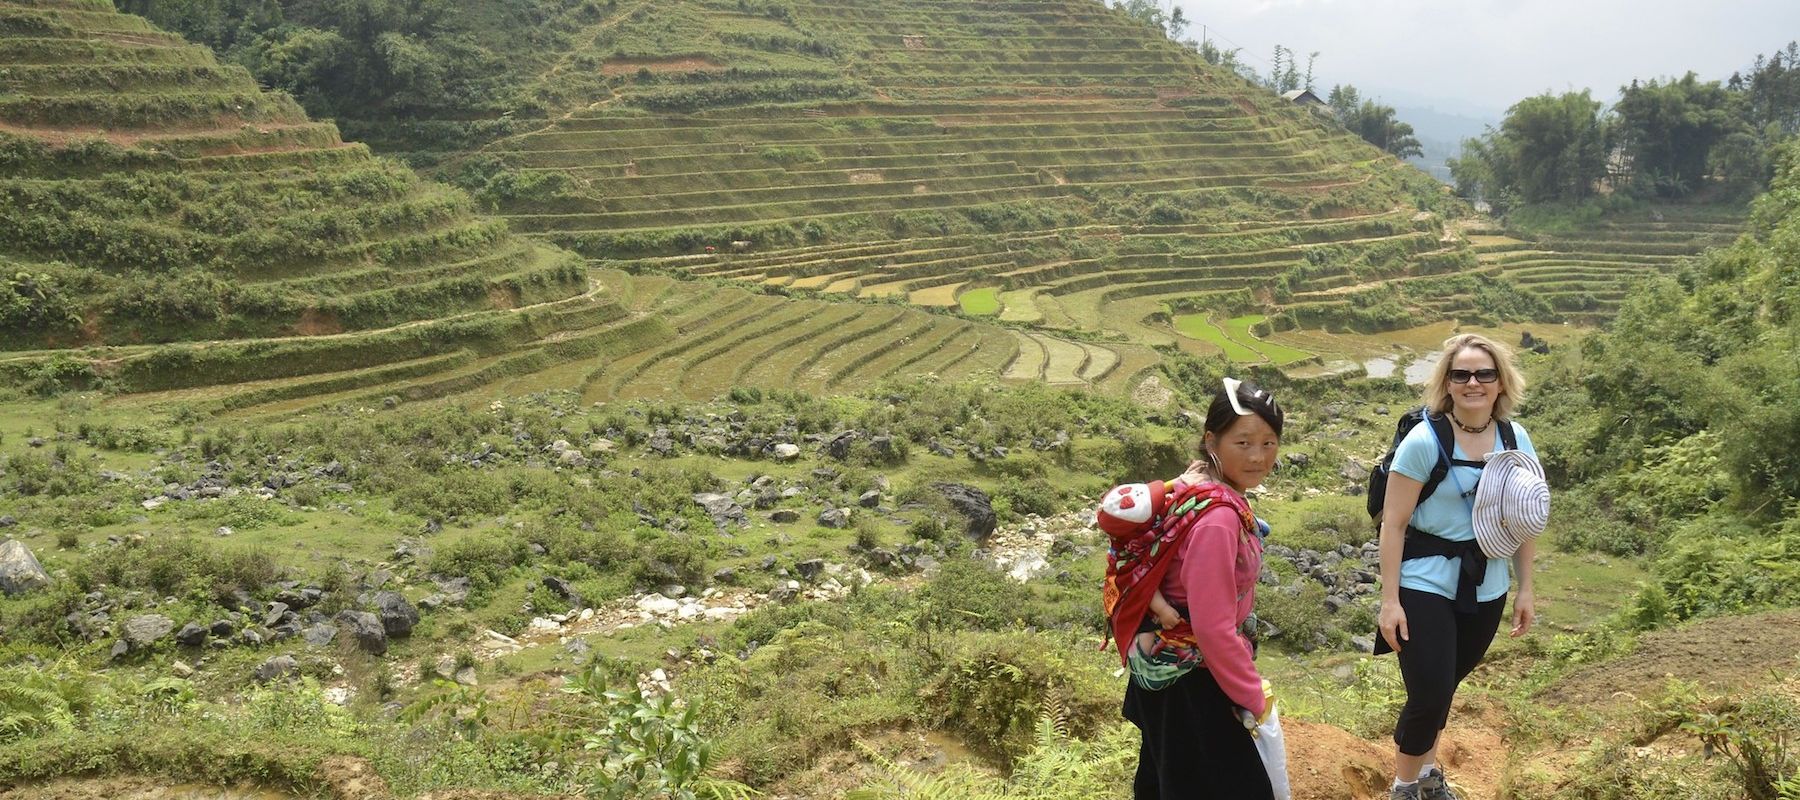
1195	747
1443	649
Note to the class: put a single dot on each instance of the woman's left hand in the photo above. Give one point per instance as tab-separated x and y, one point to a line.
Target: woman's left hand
1524	613
1196	473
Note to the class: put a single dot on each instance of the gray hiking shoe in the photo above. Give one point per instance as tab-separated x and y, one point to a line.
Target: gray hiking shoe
1433	786
1408	792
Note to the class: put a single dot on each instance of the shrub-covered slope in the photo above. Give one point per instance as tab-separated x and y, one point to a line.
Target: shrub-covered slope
153	194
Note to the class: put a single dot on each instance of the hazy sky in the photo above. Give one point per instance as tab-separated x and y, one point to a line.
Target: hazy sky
1465	56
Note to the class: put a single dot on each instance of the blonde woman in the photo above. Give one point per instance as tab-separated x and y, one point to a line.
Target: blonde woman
1442	599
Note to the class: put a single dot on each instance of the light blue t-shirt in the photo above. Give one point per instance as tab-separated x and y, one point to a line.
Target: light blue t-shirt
1446	513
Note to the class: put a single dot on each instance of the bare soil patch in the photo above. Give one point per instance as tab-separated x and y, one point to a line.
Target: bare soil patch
626	67
314	322
1327	763
1723	653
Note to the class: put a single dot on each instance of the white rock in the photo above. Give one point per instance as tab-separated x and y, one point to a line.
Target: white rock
338	695
154	503
601	446
587	614
722	613
544	624
502	638
657	604
690	611
560	445
787	452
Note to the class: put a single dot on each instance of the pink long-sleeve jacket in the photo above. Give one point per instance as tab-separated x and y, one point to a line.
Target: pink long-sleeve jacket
1214	577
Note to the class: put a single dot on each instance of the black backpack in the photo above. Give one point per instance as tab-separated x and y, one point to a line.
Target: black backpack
1378	477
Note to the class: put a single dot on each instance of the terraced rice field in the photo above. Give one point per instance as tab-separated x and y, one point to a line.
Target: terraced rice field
324	276
1584	273
181	202
1051	162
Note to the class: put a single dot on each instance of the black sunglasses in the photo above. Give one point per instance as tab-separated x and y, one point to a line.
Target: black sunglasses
1480	375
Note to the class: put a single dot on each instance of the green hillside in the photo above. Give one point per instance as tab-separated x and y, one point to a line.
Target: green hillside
1584	269
204	242
1091	172
157	195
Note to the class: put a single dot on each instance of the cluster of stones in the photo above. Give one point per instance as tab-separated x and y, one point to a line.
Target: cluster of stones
220	481
1350	574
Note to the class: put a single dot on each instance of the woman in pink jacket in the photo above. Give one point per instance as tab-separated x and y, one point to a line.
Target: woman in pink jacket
1186	696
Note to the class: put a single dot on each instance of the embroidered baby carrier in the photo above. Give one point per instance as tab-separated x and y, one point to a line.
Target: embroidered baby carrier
1135	567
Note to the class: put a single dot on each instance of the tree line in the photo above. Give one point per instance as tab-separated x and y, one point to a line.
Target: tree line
1665	139
363	58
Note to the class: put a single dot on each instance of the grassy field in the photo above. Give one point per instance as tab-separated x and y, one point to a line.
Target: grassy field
982	302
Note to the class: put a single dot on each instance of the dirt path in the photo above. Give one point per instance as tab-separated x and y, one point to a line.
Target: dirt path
1724	653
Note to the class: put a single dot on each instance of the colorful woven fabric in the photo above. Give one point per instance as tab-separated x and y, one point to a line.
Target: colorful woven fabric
1135	567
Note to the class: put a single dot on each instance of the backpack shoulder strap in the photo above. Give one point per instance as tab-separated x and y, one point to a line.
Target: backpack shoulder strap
1440	469
1508	437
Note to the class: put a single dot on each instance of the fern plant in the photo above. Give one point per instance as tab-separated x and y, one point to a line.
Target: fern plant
34	702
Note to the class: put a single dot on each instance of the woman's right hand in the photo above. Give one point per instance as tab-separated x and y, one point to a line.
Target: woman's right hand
1393	624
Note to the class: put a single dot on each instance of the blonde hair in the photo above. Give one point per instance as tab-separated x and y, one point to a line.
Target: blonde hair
1512	382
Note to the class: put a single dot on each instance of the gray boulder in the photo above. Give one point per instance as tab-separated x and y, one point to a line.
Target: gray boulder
810	568
190	635
835	518
366	629
20	571
723	510
145	630
319	635
277	668
784	515
397	616
973	505
869	499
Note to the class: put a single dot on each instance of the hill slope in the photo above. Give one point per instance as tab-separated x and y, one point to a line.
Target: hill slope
158	195
210	244
1090	173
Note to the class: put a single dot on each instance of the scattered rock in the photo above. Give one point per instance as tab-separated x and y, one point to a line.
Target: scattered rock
723	510
786	452
181	669
366	629
276	668
563	590
784	515
20	571
190	635
143	631
869	499
1353	470
835	518
319	635
397	615
975	507
810	568
658	604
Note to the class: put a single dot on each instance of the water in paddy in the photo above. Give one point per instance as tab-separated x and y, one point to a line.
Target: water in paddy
1416	371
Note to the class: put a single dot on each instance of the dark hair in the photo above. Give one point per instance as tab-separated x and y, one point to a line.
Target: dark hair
1253	398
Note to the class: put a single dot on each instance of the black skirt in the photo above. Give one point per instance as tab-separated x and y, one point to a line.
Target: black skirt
1195	747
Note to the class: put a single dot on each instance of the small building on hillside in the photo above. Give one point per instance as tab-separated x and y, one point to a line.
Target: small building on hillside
1302	97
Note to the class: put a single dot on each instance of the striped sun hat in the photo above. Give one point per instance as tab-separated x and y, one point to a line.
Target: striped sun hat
1512	503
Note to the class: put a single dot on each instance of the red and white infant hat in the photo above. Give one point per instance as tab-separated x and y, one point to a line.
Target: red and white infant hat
1131	508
